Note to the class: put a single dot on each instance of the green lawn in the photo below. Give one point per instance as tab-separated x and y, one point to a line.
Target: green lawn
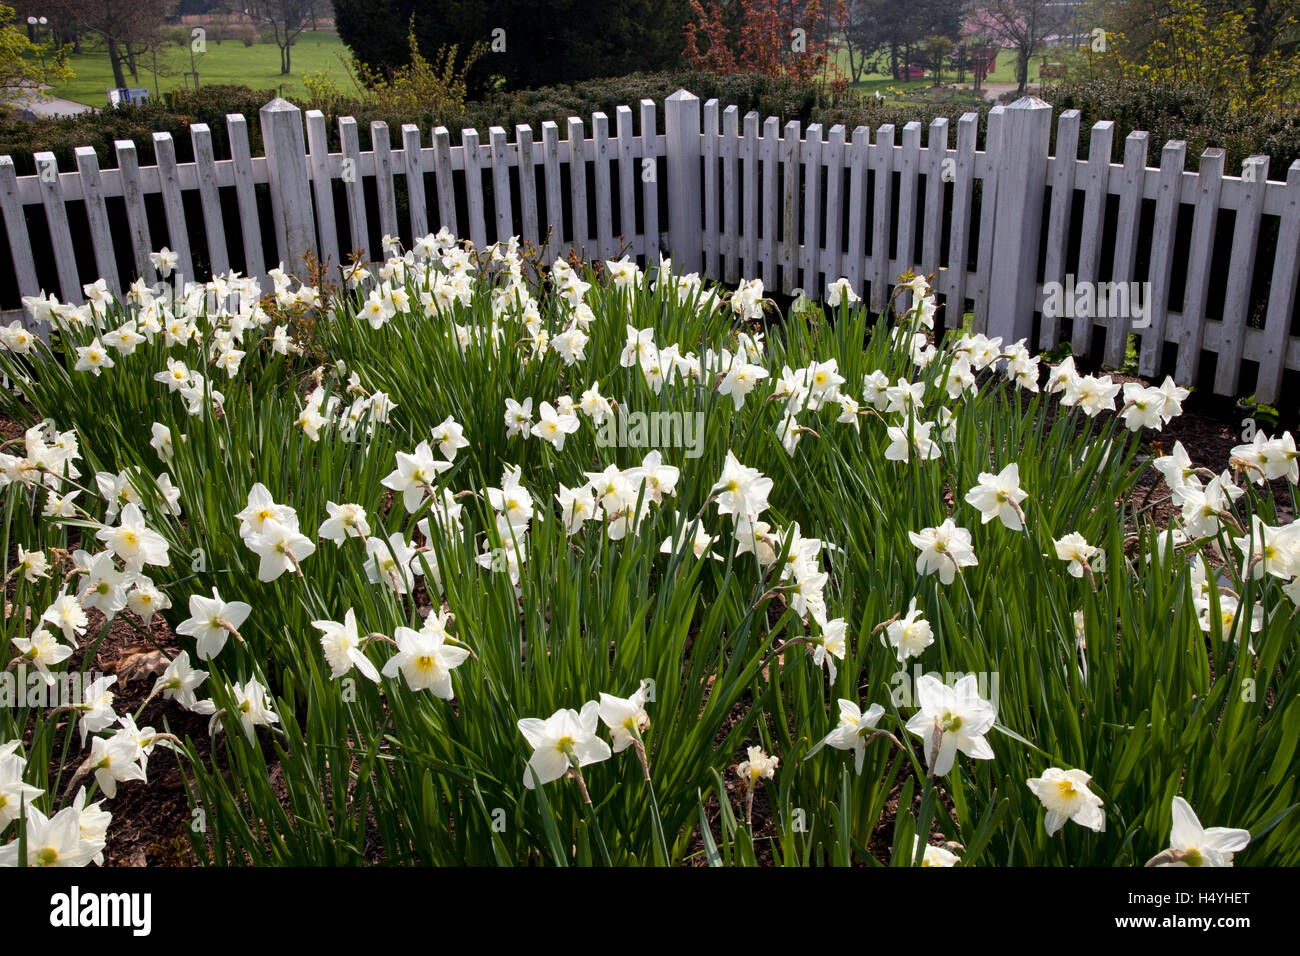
257	66
871	82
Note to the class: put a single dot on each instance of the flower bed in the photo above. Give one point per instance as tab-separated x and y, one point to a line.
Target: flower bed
501	564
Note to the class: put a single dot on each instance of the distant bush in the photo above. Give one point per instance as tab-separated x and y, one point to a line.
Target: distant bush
1194	116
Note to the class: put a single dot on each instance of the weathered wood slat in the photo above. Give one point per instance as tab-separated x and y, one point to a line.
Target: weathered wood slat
649	183
730	198
1236	303
1095	185
627	179
385	189
527	183
770	147
882	161
554	207
1172	159
101	235
809	260
908	185
1205	221
475	207
56	217
936	154
712	226
1058	223
20	244
444	180
963	193
829	257
128	166
1133	176
354	188
322	187
577	152
983	285
604	204
214	226
501	201
1282	294
749	218
413	166
790	205
855	258
178	237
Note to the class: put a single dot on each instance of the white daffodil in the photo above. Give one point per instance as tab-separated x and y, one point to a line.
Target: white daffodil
344	521
342	647
1191	844
132	542
999	496
951	719
414	475
910	634
625	717
945	549
211	622
1065	796
425	659
567	739
853	731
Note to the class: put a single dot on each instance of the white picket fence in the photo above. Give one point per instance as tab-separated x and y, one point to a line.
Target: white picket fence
798	208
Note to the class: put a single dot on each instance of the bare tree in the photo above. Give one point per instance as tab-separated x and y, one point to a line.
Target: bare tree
126	26
287	18
1023	25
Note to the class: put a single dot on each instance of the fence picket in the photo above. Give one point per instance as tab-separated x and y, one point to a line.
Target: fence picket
385	189
730	199
322	186
1172	159
882	160
1132	184
812	209
1096	184
354	188
413	167
854	266
1282	294
750	189
101	236
128	168
1236	302
1064	170
501	202
56	217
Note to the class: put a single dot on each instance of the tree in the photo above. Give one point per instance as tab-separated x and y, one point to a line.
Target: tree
775	37
1023	25
125	26
287	18
938	48
877	30
22	62
530	44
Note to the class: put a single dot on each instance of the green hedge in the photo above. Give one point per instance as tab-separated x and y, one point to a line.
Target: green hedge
1191	115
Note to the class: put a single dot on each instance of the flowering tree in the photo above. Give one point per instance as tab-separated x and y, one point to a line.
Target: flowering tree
1022	25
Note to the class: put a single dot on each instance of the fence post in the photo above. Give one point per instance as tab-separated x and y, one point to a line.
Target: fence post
291	207
682	139
1017	223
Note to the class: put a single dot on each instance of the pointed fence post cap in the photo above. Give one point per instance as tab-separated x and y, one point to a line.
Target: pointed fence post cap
1029	103
279	105
682	95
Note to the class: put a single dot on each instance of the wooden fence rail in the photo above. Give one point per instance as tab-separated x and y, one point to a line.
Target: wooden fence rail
1014	236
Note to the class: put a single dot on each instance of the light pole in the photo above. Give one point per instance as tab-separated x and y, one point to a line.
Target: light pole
32	24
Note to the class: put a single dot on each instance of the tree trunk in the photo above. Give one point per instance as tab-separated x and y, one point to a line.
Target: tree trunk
1022	69
115	58
130	60
284	60
893	60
